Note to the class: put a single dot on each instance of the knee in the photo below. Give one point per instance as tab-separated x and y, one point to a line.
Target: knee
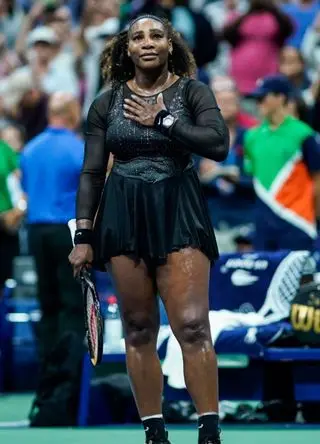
139	330
194	331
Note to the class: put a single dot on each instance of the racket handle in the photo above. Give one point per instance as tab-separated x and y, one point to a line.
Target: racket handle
72	224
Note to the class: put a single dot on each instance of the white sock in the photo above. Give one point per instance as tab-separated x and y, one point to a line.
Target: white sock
208	413
152	416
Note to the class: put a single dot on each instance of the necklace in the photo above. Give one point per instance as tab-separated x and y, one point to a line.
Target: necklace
158	90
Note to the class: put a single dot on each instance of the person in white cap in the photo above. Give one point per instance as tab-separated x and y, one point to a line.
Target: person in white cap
53	69
43	49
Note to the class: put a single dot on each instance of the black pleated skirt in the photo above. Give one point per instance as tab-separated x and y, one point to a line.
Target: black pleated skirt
151	220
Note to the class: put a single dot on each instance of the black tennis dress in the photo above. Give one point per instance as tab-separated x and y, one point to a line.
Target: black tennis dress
151	203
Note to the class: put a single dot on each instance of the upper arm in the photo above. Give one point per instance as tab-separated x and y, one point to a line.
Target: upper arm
203	104
96	152
311	154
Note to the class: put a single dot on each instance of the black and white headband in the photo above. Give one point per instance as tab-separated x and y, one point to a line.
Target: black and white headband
146	16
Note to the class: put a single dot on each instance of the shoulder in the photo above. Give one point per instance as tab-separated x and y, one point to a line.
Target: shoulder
100	107
34	143
288	8
76	141
251	135
198	92
5	148
300	129
102	101
196	86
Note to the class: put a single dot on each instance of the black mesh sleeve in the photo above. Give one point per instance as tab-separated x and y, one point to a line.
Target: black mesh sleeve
96	158
208	136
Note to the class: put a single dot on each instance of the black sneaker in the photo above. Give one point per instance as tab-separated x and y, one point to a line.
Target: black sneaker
211	441
156	440
214	440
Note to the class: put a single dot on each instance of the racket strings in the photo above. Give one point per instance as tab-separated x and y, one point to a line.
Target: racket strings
92	322
290	285
285	285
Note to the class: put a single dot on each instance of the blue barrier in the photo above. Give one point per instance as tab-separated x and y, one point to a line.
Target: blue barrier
229	289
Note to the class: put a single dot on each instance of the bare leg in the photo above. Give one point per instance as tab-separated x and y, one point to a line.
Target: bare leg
140	316
183	284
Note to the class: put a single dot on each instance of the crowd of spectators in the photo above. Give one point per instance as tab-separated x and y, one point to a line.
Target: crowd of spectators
50	46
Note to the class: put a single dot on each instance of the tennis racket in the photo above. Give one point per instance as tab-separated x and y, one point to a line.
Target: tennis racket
94	323
284	286
93	319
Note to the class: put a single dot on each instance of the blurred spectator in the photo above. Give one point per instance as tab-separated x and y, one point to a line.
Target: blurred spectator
11	18
14	136
8	58
311	47
13	88
292	65
47	52
226	83
24	102
53	68
283	155
95	28
220	13
95	40
12	207
256	39
32	112
303	14
50	166
229	190
100	10
60	21
297	108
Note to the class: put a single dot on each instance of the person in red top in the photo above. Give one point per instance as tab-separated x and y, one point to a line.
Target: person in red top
224	83
246	120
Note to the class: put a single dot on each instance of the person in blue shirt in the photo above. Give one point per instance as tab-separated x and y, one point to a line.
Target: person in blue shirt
302	14
50	165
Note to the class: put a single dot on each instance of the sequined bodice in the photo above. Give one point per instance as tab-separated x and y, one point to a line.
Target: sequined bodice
145	153
129	140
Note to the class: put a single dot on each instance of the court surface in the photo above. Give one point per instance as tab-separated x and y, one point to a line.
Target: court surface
15	408
125	435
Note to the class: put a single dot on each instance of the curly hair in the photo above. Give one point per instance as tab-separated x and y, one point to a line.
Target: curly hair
117	67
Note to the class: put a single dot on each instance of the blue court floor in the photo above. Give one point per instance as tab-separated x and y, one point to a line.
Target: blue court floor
14	409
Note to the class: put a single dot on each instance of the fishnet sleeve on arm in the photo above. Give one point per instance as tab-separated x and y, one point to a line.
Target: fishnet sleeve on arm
208	136
96	158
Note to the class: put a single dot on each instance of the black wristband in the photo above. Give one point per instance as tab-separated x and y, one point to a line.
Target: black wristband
83	236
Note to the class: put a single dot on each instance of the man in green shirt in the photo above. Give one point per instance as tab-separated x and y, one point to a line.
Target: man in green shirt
12	207
283	156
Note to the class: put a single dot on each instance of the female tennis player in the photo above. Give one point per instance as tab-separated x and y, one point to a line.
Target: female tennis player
152	230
